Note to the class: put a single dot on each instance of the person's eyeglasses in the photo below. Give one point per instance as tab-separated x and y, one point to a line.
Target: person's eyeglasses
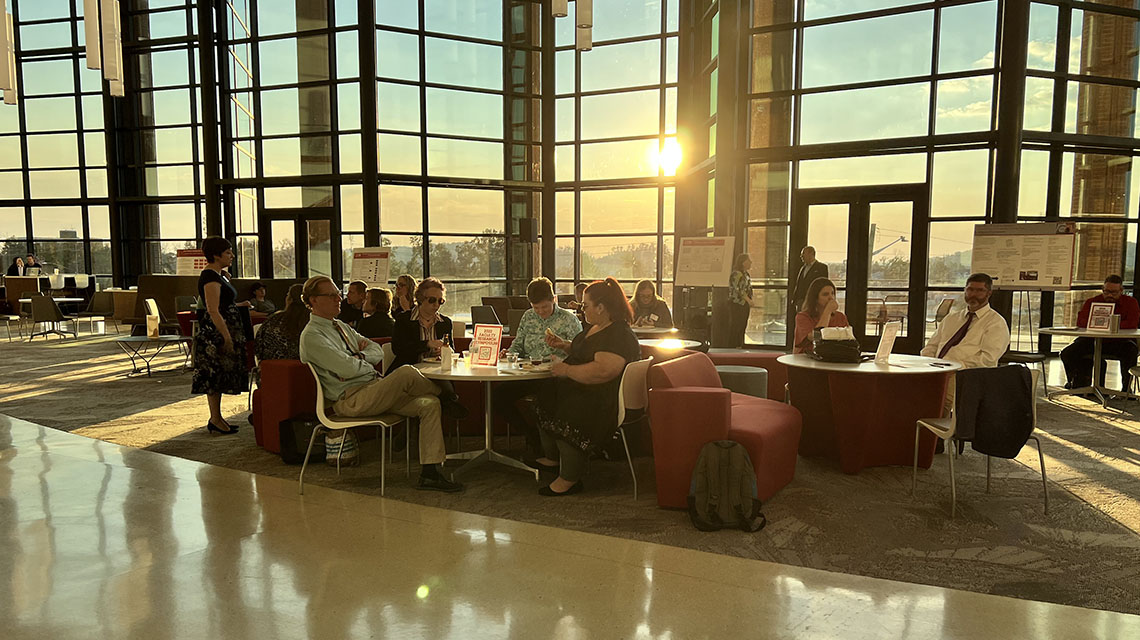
1110	292
434	300
335	294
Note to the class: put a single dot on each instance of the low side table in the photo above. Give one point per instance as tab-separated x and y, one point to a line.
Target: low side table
132	346
749	381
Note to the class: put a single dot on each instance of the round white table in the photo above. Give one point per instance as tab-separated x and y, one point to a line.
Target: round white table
487	375
669	343
862	414
660	332
57	300
1097	387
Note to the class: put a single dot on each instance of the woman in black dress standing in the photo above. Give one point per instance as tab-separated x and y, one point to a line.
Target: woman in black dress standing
578	407
219	346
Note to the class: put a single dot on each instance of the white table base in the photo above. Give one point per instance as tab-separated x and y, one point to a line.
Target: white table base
487	454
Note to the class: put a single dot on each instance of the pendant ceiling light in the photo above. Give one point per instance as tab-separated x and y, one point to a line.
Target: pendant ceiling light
583	21
8	59
104	45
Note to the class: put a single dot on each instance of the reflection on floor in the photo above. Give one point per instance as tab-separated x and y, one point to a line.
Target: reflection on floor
98	540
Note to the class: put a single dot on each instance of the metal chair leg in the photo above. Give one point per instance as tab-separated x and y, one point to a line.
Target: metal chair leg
950	446
914	470
1044	483
408	448
383	467
305	462
629	459
988	474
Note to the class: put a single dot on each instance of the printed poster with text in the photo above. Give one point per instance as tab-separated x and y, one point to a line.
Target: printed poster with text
370	265
485	345
190	262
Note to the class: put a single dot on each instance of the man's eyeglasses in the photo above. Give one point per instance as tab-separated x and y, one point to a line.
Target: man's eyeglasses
434	300
1110	292
335	294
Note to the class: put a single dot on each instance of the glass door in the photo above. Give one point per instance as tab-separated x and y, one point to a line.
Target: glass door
873	241
302	244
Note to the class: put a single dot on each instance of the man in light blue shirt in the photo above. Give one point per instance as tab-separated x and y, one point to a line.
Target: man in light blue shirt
345	362
530	343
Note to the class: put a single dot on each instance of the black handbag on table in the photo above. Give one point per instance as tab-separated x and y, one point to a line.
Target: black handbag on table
835	350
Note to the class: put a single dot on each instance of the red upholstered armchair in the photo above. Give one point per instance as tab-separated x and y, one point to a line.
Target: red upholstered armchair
688	408
287	390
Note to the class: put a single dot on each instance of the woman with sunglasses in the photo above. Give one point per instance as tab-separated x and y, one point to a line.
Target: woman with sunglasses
420	333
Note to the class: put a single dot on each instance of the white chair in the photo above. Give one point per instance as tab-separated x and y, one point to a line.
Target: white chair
56	281
632	395
1135	373
946	428
253	373
382	423
389	355
82	281
8	320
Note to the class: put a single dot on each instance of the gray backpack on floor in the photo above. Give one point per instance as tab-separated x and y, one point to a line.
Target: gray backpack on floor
722	493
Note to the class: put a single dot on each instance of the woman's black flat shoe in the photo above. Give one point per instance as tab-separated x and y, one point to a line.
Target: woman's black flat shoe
212	429
551	493
534	463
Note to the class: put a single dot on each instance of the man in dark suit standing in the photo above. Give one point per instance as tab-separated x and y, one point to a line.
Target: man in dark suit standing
810	270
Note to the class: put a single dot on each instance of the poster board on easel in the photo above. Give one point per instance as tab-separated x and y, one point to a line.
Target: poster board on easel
1026	257
704	262
370	265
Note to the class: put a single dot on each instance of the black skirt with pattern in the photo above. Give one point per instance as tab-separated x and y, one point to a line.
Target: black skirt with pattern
216	372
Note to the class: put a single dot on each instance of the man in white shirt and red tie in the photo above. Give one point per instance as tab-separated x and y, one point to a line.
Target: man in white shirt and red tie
974	337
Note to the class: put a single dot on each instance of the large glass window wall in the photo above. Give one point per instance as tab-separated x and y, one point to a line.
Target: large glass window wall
855	95
53	175
616	152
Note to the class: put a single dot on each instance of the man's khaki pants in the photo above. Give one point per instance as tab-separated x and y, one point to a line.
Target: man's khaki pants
405	392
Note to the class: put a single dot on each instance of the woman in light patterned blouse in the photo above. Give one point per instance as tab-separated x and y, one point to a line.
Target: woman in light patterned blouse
739	298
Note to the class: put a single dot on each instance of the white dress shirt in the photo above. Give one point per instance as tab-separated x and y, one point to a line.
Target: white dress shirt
984	343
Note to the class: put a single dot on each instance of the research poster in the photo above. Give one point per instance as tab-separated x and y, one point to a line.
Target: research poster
704	262
370	265
1025	256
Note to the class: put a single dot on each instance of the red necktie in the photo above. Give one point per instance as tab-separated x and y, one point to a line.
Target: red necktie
351	348
957	337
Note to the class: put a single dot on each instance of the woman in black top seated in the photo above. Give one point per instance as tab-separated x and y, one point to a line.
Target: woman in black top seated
17	268
405	298
219	346
578	407
377	322
421	332
279	337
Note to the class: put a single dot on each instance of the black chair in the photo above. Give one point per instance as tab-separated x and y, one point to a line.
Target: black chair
100	309
1029	358
46	311
484	314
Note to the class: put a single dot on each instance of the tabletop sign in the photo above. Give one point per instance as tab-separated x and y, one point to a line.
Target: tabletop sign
705	262
1100	316
887	341
485	345
370	265
190	262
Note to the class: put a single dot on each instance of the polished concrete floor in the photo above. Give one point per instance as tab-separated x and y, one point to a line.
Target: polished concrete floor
103	541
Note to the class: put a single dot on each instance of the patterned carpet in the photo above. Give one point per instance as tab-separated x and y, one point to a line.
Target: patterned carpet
1086	552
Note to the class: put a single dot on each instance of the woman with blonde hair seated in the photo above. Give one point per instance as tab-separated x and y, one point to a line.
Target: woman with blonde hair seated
819	309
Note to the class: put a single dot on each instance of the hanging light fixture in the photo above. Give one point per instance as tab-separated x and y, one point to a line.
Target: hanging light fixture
8	60
583	21
584	14
104	46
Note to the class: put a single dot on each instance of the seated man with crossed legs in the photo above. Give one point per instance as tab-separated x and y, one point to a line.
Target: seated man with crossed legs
345	362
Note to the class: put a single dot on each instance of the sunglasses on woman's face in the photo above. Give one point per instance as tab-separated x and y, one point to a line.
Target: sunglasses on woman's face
434	300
